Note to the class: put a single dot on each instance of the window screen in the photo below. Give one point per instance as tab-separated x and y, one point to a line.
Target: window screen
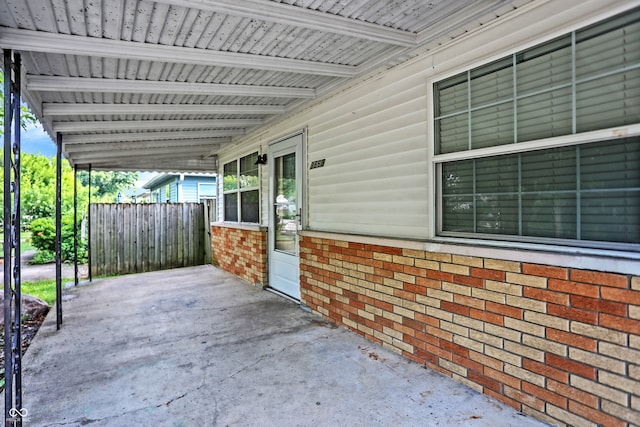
587	191
585	81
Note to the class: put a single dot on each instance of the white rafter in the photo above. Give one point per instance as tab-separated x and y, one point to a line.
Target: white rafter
149	136
166	152
124	145
81	84
40	41
142	163
294	15
58	109
108	125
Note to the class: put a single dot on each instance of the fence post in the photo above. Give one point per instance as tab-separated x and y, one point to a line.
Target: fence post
207	231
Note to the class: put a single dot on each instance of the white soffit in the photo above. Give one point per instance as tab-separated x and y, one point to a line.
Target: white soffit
163	85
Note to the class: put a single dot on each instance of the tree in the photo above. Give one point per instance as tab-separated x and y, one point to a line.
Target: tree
106	185
38	186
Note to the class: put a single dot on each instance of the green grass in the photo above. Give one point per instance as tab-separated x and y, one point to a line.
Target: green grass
25	242
43	289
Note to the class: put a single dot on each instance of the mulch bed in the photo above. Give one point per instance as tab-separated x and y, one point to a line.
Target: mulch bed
29	329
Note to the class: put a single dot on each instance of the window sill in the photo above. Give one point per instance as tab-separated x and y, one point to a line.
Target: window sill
613	261
239	226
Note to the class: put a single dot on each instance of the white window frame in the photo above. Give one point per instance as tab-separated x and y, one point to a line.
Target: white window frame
521	242
239	190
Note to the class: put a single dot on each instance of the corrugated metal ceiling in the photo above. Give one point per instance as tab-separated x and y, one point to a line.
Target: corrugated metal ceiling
163	85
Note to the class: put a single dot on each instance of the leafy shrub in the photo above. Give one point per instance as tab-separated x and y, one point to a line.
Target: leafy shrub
43	237
43	257
43	234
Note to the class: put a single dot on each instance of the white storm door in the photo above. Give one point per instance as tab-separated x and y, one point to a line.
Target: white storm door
285	214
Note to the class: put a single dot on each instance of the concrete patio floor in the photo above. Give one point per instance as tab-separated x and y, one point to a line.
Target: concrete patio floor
197	347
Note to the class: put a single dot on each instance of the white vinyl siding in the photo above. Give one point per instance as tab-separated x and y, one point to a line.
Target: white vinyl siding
373	181
587	192
376	135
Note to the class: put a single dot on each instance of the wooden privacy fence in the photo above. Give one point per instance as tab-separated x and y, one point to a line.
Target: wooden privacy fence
134	238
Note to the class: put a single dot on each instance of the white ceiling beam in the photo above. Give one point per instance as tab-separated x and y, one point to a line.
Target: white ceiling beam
60	109
82	84
65	44
172	143
282	13
142	164
150	136
108	125
164	153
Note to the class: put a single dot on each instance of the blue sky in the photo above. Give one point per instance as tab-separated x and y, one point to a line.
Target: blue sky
36	141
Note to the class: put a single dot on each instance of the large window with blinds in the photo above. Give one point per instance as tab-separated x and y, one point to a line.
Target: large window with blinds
241	190
544	145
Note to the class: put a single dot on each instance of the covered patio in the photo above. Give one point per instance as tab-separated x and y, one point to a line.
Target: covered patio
454	180
169	85
198	347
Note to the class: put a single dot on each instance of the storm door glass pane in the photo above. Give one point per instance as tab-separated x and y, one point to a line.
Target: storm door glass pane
285	206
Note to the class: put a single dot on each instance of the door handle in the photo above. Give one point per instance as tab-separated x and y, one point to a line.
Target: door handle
298	217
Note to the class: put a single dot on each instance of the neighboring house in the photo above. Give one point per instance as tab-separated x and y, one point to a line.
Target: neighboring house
143	197
182	188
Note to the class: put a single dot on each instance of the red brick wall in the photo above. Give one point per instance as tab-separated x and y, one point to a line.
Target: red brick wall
242	252
559	344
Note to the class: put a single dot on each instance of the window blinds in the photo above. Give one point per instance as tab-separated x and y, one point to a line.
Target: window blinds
584	81
585	192
598	69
